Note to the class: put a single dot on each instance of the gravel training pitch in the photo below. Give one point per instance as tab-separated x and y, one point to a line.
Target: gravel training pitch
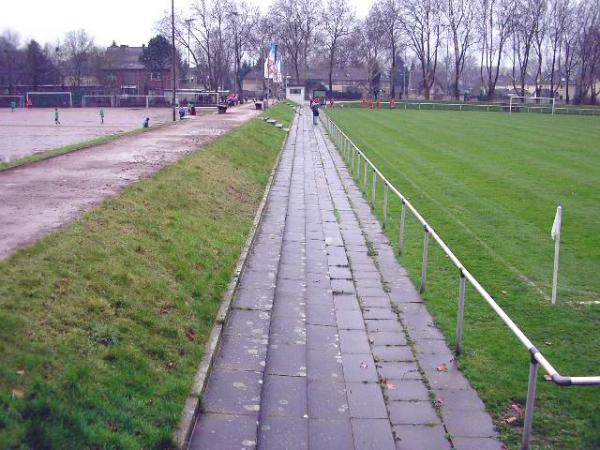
27	132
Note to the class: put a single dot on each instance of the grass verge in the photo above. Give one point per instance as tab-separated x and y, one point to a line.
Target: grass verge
78	146
281	113
103	323
489	184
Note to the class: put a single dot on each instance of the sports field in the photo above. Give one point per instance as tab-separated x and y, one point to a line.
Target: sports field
489	184
27	132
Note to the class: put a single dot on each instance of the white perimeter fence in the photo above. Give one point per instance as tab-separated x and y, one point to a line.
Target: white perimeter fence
358	163
514	106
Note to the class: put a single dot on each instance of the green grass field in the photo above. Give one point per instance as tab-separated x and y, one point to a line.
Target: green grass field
103	324
489	184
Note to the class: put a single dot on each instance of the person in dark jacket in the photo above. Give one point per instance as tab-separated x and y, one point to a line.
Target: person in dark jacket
314	106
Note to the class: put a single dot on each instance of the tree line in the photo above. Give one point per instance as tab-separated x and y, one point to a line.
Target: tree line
452	45
458	44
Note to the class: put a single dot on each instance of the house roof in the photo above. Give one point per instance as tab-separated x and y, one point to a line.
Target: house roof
124	57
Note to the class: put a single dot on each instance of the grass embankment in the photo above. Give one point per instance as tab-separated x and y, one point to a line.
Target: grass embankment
489	183
47	154
103	323
281	113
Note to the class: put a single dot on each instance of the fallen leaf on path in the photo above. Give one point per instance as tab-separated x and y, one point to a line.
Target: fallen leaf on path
389	385
363	365
442	368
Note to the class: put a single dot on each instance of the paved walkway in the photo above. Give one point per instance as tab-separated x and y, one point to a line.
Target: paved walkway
315	353
38	198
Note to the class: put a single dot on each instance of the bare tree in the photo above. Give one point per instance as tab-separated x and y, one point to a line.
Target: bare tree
211	38
289	23
494	18
589	50
243	19
77	48
526	23
559	13
460	15
421	20
9	43
311	28
570	43
369	36
340	18
389	12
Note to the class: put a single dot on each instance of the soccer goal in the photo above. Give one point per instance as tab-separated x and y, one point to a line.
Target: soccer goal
132	101
531	104
160	101
98	100
7	100
50	99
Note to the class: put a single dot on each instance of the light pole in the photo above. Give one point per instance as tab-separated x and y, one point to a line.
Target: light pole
189	23
286	78
173	56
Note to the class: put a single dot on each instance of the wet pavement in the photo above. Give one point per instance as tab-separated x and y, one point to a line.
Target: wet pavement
38	198
315	353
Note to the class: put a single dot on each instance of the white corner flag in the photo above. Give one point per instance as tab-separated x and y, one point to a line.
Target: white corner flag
555	234
557	222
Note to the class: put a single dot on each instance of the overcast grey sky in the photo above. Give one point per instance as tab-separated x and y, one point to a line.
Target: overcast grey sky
125	21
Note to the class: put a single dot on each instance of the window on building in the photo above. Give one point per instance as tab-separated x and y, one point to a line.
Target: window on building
295	91
155	76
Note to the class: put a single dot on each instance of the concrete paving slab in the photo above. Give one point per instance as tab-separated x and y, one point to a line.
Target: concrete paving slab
219	431
330	434
372	434
284	396
421	437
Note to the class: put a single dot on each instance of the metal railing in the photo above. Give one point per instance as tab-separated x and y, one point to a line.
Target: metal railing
497	107
357	160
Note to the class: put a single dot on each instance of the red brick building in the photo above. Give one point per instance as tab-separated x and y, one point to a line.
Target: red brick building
125	73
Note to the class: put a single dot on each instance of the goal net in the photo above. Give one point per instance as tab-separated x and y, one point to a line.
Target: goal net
158	101
98	100
131	101
50	99
7	100
519	103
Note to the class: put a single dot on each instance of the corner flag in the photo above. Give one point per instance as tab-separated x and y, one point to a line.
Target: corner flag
557	223
555	234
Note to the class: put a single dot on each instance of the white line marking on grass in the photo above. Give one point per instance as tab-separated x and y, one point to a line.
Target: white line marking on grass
490	250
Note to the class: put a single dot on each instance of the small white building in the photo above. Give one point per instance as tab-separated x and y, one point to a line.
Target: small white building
295	94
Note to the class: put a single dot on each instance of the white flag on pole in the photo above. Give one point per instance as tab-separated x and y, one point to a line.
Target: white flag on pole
557	223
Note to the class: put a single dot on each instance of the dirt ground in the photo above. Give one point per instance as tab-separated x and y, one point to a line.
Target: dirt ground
38	198
26	132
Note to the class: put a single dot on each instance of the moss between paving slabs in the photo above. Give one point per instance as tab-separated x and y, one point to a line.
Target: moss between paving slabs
103	323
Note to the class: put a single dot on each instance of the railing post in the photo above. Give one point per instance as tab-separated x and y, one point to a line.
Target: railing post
402	228
461	313
385	204
358	166
366	177
529	406
425	259
374	188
